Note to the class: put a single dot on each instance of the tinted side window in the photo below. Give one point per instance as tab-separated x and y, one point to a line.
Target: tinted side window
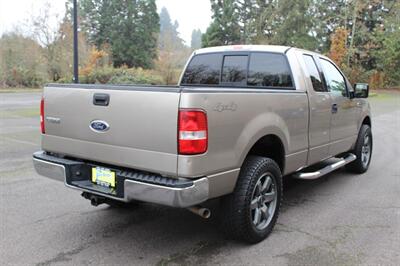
314	74
203	69
234	69
269	70
334	79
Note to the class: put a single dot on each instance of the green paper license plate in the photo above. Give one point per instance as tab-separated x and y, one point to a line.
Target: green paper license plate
103	176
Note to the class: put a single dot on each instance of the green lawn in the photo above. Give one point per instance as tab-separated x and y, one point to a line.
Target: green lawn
18	89
20	112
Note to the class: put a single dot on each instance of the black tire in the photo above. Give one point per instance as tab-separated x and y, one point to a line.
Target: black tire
238	214
361	164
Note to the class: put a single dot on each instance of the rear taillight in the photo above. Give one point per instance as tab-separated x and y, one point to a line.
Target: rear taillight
42	115
192	132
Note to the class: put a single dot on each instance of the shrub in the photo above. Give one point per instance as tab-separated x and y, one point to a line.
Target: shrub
18	76
377	80
122	75
97	59
103	75
67	79
21	62
135	76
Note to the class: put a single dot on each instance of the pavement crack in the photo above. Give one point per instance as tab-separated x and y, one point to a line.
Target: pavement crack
298	230
372	226
383	207
316	255
199	254
63	256
51	218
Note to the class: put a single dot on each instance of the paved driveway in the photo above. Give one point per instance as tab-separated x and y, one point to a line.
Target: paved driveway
338	219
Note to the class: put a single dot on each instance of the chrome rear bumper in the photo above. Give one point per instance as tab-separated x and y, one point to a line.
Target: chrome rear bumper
48	169
186	194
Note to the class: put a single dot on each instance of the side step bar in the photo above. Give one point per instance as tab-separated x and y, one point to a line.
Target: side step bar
327	169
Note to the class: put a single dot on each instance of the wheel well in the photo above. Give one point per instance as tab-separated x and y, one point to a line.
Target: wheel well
270	146
367	121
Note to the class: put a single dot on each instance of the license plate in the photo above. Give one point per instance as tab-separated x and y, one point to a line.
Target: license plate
103	176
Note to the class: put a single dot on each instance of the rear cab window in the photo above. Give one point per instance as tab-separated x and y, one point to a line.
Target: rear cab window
203	70
234	70
245	70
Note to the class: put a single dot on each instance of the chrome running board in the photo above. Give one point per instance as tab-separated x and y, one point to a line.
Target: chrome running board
327	169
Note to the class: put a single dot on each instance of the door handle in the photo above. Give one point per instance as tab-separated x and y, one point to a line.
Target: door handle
334	109
101	99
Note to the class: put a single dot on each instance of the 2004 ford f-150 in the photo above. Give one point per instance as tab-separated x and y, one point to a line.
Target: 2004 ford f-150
241	119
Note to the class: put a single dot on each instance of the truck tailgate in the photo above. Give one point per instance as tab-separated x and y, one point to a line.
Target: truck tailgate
142	132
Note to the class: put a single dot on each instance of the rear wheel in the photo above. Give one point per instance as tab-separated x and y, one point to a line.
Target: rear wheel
363	151
251	211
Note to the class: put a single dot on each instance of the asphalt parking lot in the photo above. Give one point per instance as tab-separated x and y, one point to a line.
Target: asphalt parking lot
340	219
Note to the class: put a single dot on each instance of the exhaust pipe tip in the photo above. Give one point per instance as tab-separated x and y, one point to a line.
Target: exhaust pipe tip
201	211
205	213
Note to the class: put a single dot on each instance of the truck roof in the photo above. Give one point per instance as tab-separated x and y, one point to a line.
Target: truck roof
236	48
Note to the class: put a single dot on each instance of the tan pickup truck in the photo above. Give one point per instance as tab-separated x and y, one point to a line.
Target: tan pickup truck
241	119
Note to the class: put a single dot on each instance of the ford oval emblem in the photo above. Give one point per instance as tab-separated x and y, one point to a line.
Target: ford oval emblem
99	126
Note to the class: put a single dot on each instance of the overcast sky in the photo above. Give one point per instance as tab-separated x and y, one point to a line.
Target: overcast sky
190	14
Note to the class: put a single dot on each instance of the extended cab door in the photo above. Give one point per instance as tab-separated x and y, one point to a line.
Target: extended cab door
343	132
320	111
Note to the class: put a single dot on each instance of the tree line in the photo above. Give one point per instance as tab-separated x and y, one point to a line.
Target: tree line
129	42
363	37
119	42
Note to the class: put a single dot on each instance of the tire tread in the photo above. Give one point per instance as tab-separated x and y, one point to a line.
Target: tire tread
356	166
234	213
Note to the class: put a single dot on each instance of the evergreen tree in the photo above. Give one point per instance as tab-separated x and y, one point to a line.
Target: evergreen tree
224	28
263	21
387	36
327	16
169	35
173	52
196	39
295	25
246	19
129	27
367	18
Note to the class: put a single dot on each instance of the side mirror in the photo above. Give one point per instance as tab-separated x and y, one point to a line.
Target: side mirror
361	90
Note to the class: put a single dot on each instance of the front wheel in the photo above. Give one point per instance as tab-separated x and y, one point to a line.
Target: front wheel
363	151
251	211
